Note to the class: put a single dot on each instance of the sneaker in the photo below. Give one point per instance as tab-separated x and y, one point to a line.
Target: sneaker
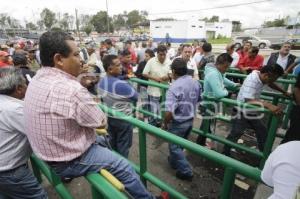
184	177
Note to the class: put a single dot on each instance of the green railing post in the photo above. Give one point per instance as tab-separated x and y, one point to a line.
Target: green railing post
228	182
36	171
287	115
96	194
143	155
270	139
163	99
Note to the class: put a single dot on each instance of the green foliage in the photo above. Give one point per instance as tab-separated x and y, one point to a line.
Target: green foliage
31	26
236	26
214	18
48	18
220	40
274	23
99	21
88	29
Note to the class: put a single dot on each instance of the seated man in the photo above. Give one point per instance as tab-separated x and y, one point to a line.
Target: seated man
250	92
253	61
16	179
181	100
61	118
281	171
119	95
215	84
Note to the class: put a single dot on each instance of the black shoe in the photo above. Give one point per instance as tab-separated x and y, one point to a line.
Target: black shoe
184	177
171	165
66	179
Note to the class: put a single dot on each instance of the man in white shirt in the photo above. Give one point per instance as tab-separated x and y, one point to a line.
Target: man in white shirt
157	70
250	91
235	56
186	55
282	58
16	179
171	51
281	171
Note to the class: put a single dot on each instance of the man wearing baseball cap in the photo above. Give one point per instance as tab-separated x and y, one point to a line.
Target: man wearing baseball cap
4	59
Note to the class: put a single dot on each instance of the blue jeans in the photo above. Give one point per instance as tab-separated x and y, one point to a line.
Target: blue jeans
120	135
20	183
154	107
177	159
99	157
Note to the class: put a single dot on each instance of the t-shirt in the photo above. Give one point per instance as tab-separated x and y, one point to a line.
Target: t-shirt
117	94
156	69
282	170
251	88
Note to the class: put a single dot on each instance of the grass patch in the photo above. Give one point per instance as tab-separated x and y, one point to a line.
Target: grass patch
220	41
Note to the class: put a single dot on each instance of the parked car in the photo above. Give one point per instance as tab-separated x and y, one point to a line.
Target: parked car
256	41
294	42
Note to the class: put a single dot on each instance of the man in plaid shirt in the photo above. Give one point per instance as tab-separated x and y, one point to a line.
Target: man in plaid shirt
61	116
250	91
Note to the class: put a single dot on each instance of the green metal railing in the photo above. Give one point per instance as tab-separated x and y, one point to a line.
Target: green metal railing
100	187
38	167
272	130
232	166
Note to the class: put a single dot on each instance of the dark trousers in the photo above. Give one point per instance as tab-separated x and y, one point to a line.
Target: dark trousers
201	140
293	133
120	135
240	122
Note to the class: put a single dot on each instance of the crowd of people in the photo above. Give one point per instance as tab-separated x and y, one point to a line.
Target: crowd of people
49	93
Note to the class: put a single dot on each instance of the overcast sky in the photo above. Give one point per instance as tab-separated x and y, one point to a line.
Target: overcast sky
250	15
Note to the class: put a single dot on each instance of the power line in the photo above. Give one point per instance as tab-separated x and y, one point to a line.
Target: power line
211	8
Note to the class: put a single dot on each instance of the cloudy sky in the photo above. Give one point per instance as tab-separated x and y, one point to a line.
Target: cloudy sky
251	15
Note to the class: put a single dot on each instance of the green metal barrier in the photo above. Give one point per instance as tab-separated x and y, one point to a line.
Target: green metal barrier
100	187
39	166
232	166
272	128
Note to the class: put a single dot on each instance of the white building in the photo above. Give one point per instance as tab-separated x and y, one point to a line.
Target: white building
182	31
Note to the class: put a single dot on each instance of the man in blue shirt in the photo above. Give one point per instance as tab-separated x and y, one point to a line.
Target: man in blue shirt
119	95
181	104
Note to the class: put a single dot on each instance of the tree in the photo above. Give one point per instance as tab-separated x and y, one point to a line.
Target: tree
88	29
274	23
133	17
214	19
119	21
100	23
40	24
31	26
3	19
48	18
66	22
236	26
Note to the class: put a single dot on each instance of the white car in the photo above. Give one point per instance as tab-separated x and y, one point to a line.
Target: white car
256	41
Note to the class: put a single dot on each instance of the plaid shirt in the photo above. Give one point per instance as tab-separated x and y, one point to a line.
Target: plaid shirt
60	116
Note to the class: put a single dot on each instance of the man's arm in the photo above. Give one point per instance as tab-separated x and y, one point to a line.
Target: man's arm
167	119
274	109
278	88
85	110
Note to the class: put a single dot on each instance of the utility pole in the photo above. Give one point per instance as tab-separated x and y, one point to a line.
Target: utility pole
107	17
77	25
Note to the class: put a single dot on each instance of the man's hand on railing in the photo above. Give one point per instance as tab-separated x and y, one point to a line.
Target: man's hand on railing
276	110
